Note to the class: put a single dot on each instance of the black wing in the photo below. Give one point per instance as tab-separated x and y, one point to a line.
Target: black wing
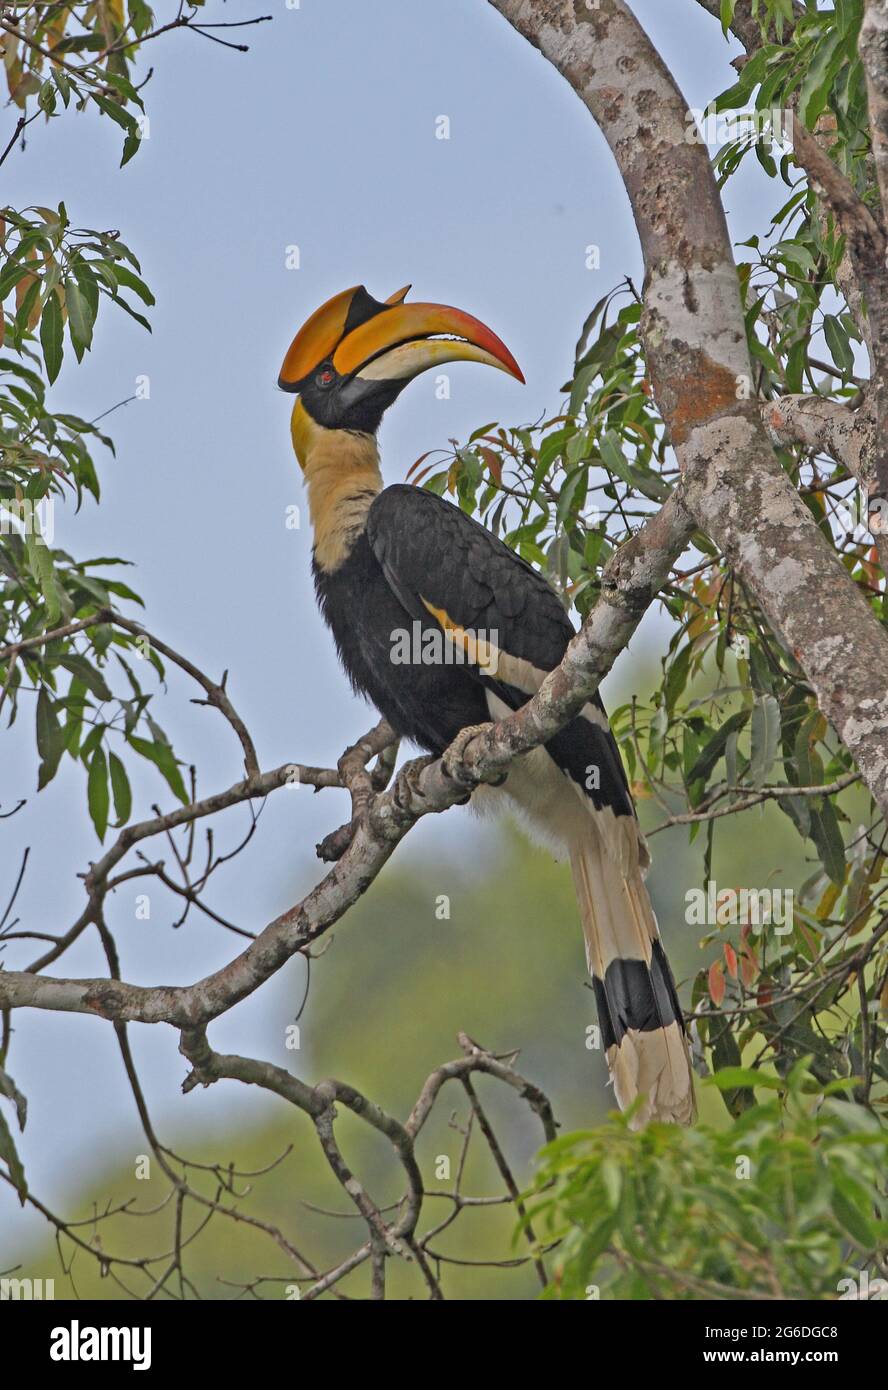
436	557
444	564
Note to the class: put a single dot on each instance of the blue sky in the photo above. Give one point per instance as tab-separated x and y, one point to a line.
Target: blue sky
322	136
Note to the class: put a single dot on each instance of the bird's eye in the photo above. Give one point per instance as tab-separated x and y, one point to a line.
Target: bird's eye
326	376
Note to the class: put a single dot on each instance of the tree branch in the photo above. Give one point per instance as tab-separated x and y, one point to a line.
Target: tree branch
819	423
630	583
695	344
866	250
873	50
743	25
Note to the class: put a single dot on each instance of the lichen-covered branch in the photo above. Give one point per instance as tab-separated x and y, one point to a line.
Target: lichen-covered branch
816	422
873	49
866	244
698	360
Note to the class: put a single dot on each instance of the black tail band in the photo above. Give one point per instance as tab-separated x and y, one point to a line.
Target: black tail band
635	995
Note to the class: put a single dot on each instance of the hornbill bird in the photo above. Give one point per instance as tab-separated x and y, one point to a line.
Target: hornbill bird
388	559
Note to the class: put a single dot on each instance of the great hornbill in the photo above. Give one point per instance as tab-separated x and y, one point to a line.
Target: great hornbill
387	559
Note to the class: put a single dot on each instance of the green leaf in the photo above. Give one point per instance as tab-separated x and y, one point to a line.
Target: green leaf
10	1157
131	146
568	494
97	792
765	738
84	671
133	313
727	1078
612	1179
60	77
677	676
46	97
80	318
116	112
147	297
47	722
51	336
12	272
818	80
9	1089
50	738
794	253
731	759
43	569
852	1219
765	158
827	838
715	747
838	344
161	754
23	313
596	1240
796	361
588	327
736	97
734	1081
123	797
727	15
640	480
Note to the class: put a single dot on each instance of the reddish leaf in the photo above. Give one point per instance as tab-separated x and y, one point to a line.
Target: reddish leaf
422	458
494	463
749	967
716	983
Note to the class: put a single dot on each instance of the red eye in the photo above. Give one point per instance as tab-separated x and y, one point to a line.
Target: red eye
326	376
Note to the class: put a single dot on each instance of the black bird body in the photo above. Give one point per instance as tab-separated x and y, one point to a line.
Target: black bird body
428	704
443	627
379	590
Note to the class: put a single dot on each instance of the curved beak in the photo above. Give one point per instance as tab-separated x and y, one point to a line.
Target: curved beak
315	338
406	339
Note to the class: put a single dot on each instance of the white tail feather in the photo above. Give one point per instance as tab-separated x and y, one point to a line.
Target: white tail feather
619	926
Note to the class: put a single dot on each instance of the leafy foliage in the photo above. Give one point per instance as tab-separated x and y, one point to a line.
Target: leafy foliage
786	1203
732	724
79	55
82	683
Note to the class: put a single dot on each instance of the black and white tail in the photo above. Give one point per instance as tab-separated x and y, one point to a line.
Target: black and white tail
638	1009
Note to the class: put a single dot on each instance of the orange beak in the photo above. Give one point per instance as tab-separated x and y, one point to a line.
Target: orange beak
393	341
403	341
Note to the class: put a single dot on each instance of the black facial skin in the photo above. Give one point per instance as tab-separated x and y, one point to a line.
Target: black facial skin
347	403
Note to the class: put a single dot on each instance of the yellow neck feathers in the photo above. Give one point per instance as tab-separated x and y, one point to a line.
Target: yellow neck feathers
342	475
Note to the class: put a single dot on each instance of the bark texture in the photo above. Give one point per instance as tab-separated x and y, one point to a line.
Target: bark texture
699	364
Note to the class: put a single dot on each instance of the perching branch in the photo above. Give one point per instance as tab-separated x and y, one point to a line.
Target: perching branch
816	422
630	584
696	351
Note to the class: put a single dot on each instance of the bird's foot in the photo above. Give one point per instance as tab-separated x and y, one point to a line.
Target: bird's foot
452	757
406	788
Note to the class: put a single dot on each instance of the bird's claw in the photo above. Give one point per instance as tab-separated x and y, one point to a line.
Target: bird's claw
452	757
406	786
